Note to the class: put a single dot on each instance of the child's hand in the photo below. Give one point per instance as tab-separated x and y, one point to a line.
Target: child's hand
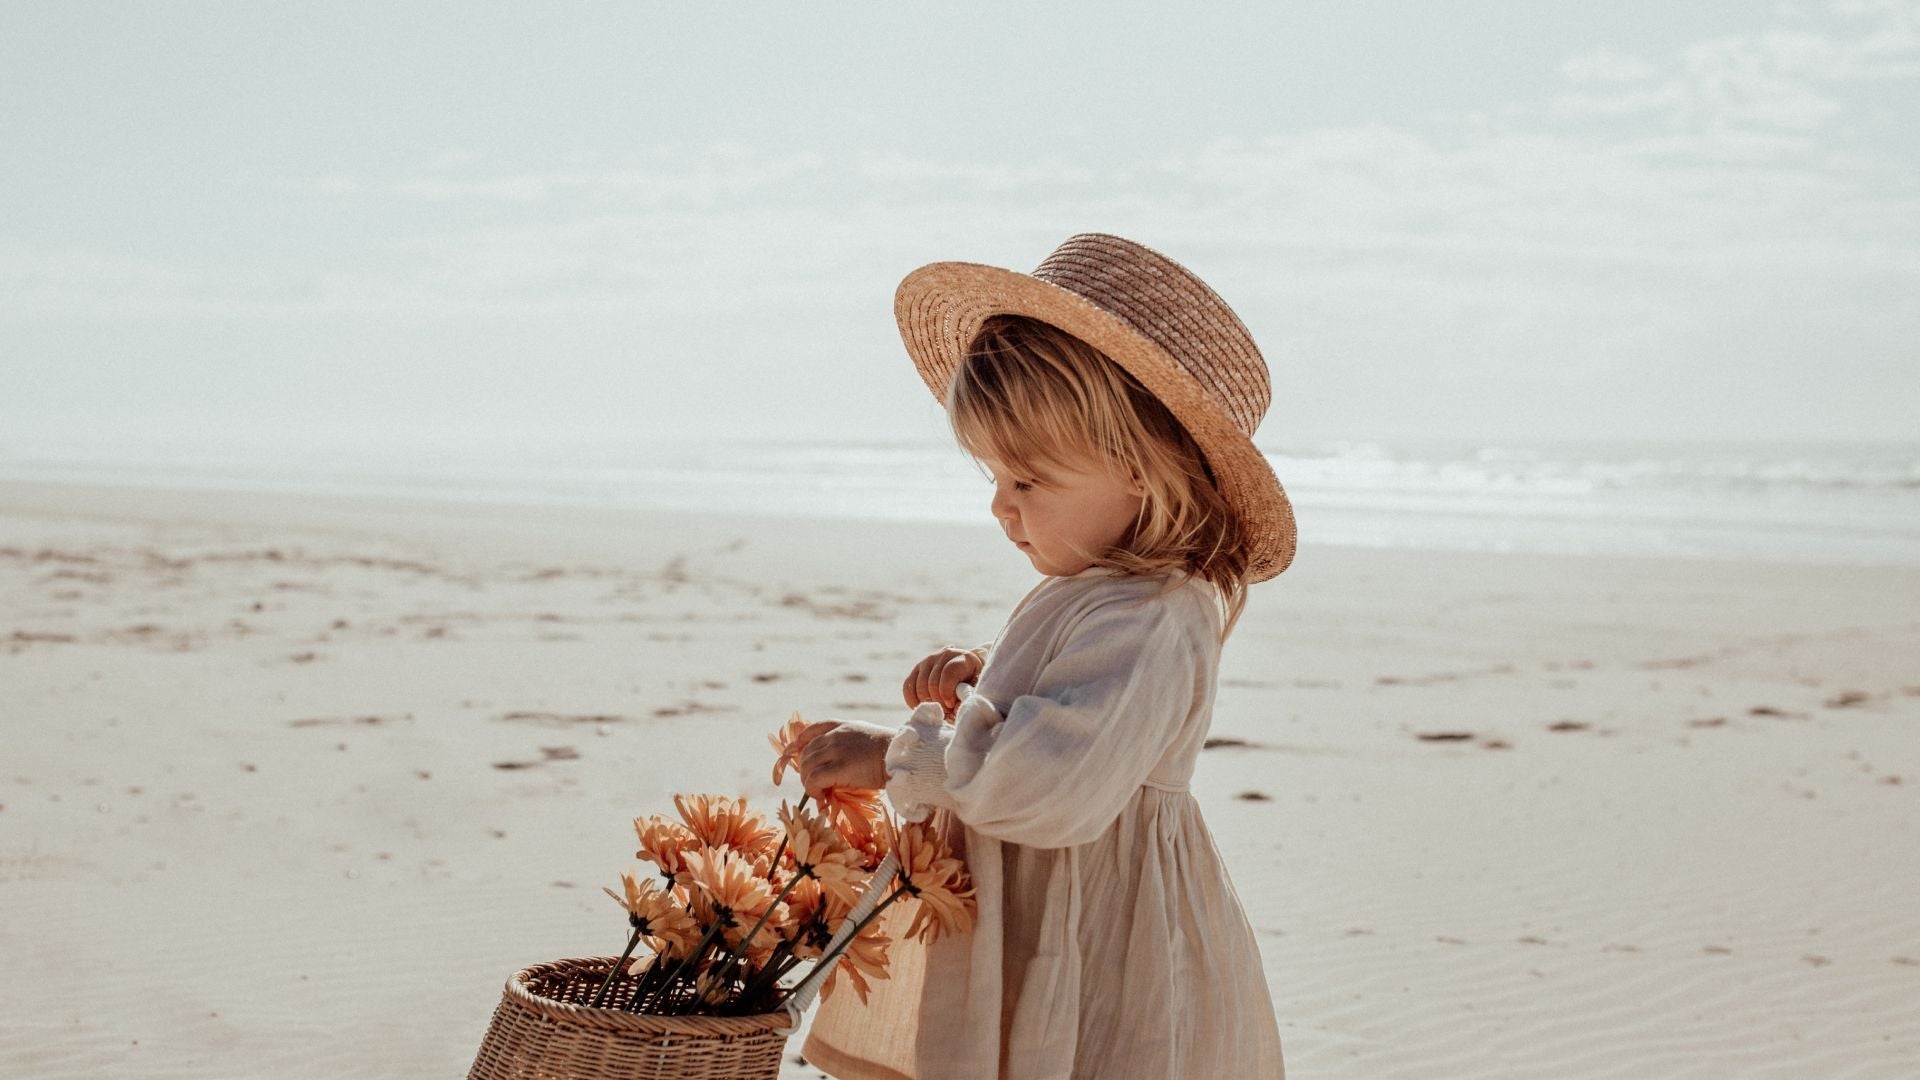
938	677
850	754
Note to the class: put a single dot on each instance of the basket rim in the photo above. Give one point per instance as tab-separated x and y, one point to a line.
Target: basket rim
622	1020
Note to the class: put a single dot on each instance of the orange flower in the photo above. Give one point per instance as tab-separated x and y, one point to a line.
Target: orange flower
791	740
733	891
858	815
658	914
818	915
753	957
865	957
932	875
816	847
728	884
805	915
721	821
664	843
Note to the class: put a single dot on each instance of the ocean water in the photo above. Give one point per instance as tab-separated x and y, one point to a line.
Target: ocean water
1812	502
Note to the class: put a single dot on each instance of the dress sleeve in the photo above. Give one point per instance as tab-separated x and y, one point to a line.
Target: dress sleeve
1055	767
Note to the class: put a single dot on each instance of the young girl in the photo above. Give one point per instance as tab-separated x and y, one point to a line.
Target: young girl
1112	396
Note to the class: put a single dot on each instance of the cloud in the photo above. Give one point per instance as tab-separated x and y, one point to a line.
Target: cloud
1890	46
895	169
709	175
1603	65
72	279
1419	216
1778	79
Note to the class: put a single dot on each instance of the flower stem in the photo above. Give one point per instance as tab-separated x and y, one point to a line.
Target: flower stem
734	956
697	951
646	980
696	999
782	849
767	975
615	969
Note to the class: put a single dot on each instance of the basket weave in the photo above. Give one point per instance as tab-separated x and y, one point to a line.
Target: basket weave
543	1028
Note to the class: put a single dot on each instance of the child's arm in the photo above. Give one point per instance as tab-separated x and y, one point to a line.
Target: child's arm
1058	765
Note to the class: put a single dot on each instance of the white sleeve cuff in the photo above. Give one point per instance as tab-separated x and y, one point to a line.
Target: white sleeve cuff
917	763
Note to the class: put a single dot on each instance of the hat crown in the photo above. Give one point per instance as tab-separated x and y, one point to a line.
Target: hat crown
1173	308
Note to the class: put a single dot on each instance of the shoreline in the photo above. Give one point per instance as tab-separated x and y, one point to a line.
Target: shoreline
442	516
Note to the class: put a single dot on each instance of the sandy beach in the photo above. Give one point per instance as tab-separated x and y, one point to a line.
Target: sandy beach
291	784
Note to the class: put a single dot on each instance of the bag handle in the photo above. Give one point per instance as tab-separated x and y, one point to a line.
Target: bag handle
802	995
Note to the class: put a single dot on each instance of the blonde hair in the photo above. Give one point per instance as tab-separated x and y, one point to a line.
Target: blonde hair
1029	394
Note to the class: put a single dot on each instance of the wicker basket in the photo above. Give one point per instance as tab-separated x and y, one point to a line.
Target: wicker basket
543	1028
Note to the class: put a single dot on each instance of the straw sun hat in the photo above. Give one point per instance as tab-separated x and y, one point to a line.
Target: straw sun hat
1154	318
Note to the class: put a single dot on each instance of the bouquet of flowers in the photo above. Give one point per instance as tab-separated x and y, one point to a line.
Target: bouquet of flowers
738	903
734	905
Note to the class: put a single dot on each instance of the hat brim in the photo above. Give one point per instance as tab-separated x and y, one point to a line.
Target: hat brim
941	307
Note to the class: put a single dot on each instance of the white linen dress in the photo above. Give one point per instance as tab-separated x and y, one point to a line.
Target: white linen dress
1109	943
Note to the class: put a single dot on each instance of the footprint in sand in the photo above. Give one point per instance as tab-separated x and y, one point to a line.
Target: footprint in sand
343	721
1254	796
692	707
559	720
29	637
1488	742
547	754
1441	676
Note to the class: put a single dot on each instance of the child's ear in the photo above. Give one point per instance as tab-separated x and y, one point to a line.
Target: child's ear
1136	487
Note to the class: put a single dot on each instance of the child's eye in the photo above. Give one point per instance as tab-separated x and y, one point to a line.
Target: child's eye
1022	485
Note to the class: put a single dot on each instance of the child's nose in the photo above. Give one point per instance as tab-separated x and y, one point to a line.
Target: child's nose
1001	507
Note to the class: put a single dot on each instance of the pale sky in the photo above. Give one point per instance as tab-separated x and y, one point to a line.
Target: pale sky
462	221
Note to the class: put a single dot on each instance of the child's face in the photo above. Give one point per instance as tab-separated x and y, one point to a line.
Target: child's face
1066	516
